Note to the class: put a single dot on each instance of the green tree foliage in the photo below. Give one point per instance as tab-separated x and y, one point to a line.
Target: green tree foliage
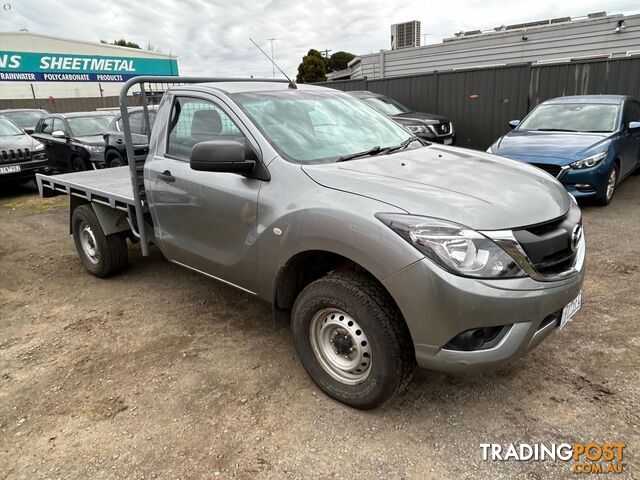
122	43
339	61
313	68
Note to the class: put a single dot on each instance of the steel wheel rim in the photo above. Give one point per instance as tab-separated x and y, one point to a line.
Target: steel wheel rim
611	183
340	346
88	243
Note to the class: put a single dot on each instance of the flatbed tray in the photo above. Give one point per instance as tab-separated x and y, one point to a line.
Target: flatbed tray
109	186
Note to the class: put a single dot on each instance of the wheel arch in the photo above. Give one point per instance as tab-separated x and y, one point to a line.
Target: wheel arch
111	220
305	267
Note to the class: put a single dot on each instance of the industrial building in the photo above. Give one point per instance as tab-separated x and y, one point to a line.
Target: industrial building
560	40
34	66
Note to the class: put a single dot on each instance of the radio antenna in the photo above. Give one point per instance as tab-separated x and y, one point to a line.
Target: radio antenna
292	84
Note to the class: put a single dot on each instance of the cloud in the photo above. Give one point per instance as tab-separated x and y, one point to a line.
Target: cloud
211	37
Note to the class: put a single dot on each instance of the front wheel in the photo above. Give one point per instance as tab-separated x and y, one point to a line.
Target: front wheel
352	340
115	160
610	186
101	254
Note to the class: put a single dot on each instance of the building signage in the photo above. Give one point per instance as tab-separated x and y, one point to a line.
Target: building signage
59	67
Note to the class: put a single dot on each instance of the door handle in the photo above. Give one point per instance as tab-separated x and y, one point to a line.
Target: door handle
119	140
166	177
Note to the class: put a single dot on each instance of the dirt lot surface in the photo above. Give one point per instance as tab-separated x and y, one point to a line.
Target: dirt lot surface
161	373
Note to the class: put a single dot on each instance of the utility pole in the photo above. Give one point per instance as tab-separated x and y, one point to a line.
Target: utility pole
273	68
424	35
326	53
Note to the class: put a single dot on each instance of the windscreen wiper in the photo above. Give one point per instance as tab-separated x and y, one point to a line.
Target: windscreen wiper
554	130
402	146
372	151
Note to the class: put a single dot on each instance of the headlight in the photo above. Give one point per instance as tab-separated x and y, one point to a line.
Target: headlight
489	150
94	149
589	162
416	128
39	146
454	247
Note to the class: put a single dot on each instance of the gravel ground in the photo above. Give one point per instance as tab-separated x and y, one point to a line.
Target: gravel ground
161	373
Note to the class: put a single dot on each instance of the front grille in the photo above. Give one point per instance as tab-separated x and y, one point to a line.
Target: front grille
549	168
15	155
548	245
442	128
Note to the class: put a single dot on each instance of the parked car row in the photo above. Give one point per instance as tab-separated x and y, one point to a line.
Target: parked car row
589	143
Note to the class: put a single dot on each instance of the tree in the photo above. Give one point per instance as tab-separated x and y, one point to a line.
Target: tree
339	61
312	69
122	43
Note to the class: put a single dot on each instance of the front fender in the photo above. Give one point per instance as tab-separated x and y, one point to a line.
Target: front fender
323	219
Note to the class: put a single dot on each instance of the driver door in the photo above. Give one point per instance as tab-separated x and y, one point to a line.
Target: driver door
631	138
205	220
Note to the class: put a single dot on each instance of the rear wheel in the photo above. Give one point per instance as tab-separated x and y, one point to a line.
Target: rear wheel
114	159
101	254
352	340
610	186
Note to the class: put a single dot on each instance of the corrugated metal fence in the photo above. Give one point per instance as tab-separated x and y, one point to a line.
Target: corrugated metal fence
480	102
63	105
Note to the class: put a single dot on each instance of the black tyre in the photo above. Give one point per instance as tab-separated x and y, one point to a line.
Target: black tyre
101	254
114	159
606	195
78	164
352	340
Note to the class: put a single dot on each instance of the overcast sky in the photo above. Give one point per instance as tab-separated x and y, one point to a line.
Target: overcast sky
211	37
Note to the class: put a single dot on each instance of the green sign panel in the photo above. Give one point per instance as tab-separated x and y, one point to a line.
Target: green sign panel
60	67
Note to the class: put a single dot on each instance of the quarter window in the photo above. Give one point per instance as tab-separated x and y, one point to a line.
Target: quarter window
193	121
47	125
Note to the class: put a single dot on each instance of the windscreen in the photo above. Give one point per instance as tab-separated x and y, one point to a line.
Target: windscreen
572	117
386	105
7	128
319	127
27	118
89	126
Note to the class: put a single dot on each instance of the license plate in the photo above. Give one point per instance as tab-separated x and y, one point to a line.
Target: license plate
9	169
570	310
448	141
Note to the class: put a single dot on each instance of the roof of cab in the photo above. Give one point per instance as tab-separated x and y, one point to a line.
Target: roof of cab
606	99
255	86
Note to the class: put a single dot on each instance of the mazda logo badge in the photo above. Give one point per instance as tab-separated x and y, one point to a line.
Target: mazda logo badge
576	234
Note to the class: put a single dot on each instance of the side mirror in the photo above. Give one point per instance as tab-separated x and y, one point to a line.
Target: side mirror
58	134
220	156
28	131
514	123
634	126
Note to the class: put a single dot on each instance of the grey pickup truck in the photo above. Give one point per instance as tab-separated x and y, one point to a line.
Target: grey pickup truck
381	252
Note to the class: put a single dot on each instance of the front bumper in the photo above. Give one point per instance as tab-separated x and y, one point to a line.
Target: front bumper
577	181
446	139
28	169
438	306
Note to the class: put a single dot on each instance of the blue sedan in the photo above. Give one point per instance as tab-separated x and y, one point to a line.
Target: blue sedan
589	142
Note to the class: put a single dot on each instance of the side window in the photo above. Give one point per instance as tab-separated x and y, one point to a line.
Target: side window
631	112
136	122
46	125
58	124
193	121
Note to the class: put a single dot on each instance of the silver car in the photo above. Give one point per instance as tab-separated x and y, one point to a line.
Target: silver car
382	251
